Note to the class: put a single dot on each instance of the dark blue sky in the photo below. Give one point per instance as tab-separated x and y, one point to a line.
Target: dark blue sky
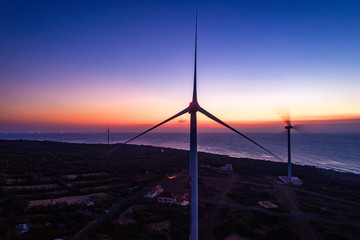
71	58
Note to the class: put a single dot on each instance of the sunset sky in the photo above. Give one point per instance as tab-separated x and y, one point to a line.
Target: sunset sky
81	65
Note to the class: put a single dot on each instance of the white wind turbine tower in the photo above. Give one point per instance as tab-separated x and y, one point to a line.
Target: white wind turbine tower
289	179
108	134
192	109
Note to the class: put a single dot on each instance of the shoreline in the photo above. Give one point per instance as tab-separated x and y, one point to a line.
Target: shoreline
52	178
246	158
338	170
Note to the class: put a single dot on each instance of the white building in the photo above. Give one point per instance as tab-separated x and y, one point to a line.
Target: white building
89	204
182	200
23	228
227	167
166	197
154	192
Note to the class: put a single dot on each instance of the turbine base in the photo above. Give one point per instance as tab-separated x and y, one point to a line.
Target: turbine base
291	180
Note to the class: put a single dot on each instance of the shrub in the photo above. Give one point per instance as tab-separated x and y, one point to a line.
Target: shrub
279	232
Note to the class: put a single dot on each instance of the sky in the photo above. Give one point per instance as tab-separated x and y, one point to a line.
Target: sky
81	65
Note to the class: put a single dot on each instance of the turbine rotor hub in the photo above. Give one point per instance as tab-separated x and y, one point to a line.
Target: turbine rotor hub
193	107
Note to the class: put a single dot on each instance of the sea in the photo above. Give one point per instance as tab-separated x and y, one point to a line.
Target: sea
339	152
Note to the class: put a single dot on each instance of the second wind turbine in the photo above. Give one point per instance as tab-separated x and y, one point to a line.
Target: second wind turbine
192	109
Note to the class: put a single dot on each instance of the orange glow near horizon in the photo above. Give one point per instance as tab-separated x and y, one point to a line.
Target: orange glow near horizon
93	108
83	122
60	76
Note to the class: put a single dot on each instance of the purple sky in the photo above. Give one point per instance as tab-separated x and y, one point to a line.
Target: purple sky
79	65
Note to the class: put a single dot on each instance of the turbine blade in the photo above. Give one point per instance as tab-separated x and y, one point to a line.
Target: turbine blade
299	128
194	90
284	114
209	115
171	118
113	149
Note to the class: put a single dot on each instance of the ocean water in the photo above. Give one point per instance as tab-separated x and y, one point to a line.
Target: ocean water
340	152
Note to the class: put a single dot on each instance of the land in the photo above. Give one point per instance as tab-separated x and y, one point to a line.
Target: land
76	191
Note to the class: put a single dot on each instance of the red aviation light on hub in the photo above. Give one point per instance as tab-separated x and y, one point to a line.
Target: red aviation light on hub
193	107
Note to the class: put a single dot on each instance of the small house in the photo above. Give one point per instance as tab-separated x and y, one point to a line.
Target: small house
23	228
267	204
89	204
182	200
154	192
166	197
133	188
227	167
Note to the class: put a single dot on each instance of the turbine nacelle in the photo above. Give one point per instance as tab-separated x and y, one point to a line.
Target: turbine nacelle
194	106
288	126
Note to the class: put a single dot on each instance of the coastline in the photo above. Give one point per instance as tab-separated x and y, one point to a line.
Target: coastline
328	151
202	156
52	178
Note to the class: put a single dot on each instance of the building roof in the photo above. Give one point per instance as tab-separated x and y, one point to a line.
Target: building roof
166	195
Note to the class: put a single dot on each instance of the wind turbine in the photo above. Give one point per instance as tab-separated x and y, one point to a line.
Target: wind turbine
192	109
108	134
289	179
288	127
